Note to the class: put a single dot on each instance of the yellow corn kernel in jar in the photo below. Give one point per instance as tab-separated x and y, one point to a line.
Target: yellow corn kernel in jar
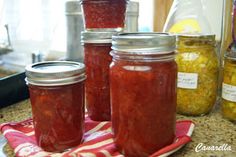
229	87
197	74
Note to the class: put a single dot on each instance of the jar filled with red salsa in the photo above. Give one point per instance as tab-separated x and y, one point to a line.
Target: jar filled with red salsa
57	100
97	46
100	14
143	77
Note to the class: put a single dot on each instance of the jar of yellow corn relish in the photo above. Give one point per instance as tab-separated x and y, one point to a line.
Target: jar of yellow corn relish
229	87
197	74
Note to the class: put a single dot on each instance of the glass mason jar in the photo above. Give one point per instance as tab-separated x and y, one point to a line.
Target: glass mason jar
109	14
143	92
97	46
57	98
197	74
229	87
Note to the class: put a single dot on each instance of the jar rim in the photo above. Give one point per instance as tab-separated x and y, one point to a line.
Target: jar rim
230	56
144	57
97	37
55	73
144	43
208	37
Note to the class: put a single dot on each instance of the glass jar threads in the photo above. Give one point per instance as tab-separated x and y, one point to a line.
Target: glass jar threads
57	98
143	92
105	14
197	74
229	87
97	46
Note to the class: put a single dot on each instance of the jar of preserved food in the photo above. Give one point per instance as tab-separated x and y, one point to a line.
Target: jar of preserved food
57	98
97	46
109	14
229	87
143	92
197	74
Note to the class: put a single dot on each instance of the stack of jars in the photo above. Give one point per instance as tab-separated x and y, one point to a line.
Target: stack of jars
140	61
102	19
129	78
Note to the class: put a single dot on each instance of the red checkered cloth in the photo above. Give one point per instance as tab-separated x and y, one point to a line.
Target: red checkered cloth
98	141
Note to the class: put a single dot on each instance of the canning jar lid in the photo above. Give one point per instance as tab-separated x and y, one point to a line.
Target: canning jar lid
144	43
55	73
231	55
203	38
96	37
195	40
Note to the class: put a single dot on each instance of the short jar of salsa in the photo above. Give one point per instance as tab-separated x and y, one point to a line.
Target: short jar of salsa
97	46
143	76
57	99
100	14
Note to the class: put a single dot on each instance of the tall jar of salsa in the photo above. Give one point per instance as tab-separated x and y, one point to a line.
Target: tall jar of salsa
97	46
143	76
229	87
197	74
57	99
104	14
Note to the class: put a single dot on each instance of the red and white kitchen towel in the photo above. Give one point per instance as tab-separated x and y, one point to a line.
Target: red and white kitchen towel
98	141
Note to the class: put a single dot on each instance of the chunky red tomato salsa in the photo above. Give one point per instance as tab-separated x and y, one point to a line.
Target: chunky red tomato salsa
143	100
58	115
97	61
104	14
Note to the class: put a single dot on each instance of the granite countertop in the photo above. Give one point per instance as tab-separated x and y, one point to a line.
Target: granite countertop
211	130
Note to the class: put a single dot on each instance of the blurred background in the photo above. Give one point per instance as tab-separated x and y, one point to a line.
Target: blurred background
39	26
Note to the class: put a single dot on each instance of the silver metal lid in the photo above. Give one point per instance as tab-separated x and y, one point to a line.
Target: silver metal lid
97	37
55	73
231	55
145	43
73	7
192	40
210	37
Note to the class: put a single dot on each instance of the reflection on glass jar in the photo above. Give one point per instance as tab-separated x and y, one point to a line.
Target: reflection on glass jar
143	92
197	74
97	46
57	99
229	87
109	14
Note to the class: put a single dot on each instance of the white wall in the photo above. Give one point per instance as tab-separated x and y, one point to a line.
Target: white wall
213	10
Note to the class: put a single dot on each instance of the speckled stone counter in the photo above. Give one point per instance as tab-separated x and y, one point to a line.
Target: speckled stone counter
210	130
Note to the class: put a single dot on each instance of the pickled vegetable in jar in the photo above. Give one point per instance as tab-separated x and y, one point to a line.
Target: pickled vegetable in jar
197	74
57	99
109	14
229	87
97	46
143	77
